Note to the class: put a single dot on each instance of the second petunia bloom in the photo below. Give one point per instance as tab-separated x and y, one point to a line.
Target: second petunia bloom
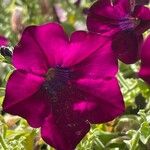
3	41
144	72
122	20
63	84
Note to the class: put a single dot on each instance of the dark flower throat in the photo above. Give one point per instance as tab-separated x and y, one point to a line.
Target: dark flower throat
56	80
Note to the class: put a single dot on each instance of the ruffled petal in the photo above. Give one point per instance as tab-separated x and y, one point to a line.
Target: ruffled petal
34	108
142	12
95	78
28	55
102	25
82	45
20	86
116	10
97	105
105	16
126	45
65	131
142	27
64	123
125	6
101	64
39	50
3	41
53	41
144	72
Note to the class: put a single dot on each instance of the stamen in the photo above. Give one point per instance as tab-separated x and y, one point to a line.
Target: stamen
56	80
129	23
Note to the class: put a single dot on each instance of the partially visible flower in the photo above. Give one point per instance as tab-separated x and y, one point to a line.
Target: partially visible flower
63	84
124	21
144	72
77	3
4	50
3	41
17	20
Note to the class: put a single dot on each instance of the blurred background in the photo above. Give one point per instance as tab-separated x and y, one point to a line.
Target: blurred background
15	15
128	132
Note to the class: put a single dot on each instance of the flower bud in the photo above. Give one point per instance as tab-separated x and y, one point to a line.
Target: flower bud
16	20
45	6
77	3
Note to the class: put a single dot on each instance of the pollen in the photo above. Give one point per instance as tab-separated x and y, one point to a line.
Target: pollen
56	80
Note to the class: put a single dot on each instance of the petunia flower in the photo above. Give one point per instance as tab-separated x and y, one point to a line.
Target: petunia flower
122	20
144	72
63	84
3	41
4	50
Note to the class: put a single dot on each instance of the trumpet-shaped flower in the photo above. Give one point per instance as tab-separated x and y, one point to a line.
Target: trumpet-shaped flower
63	84
124	21
144	72
3	41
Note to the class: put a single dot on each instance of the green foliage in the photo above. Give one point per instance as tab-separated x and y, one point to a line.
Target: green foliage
131	131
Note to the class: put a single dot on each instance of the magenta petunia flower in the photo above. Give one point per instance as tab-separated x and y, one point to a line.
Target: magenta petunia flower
4	50
3	41
124	21
63	84
144	72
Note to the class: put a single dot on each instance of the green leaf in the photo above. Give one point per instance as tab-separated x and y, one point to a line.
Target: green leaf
145	132
105	137
1	58
2	91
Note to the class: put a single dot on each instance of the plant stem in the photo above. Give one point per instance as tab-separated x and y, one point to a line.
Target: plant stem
2	142
135	141
122	81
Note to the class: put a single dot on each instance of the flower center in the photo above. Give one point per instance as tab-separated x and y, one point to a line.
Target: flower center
56	81
129	23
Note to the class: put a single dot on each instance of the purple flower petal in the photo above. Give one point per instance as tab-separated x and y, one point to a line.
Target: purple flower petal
28	55
19	99
142	27
100	106
96	65
40	43
97	71
144	72
104	17
3	41
126	45
64	134
116	10
142	12
52	40
82	44
101	24
120	20
34	109
125	6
